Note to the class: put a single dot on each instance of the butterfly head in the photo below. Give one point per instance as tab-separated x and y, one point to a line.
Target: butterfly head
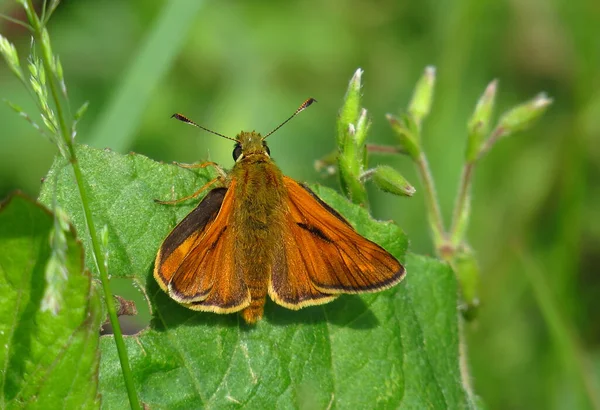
252	143
249	143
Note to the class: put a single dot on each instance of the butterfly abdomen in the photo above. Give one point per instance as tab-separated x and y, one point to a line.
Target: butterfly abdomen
257	223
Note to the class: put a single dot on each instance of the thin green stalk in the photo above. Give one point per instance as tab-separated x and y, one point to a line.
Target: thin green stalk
489	143
110	305
15	21
441	243
464	362
97	253
431	201
461	202
440	237
384	149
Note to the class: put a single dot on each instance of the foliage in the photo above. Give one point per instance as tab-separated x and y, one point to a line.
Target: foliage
50	352
245	65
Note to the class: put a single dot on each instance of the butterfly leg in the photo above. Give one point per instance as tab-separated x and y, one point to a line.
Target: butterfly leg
194	195
203	165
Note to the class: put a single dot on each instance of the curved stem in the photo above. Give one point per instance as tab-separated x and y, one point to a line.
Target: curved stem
96	248
431	201
464	363
462	200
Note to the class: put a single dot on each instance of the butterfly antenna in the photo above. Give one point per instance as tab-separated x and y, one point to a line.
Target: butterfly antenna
185	119
304	105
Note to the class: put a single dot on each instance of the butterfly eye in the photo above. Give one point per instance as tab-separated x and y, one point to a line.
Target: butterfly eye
267	150
237	151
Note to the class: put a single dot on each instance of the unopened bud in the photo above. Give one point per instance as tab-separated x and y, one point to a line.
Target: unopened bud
524	115
350	109
420	104
389	180
479	124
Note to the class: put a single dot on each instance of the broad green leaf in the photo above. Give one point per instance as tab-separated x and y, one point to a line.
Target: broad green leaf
47	360
397	348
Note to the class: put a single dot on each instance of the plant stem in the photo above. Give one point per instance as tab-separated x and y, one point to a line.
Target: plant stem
431	201
110	304
15	21
487	145
97	252
384	149
461	201
464	363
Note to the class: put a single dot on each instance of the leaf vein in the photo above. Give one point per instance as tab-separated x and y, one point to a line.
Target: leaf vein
180	352
329	337
226	372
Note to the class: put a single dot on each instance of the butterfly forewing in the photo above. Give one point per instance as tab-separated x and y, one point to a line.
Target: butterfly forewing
183	237
186	265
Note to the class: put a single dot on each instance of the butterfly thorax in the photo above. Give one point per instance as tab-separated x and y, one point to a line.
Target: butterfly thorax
257	218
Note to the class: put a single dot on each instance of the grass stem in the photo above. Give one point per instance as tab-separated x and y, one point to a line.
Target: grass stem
96	249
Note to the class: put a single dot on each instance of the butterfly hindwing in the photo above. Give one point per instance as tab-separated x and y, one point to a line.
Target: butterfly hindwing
290	285
325	256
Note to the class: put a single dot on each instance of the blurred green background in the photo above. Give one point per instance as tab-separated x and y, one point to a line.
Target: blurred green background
233	65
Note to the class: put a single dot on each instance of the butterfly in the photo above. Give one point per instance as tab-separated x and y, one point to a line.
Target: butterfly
261	233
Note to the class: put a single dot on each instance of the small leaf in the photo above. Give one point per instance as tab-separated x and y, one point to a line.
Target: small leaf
77	118
48	360
58	71
392	349
81	111
53	5
27	118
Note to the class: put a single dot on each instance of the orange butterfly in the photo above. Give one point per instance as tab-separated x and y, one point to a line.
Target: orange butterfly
264	233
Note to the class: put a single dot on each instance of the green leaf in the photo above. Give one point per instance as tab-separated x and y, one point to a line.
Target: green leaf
397	348
48	360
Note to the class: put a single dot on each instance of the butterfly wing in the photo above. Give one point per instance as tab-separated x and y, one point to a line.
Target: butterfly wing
320	255
195	263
